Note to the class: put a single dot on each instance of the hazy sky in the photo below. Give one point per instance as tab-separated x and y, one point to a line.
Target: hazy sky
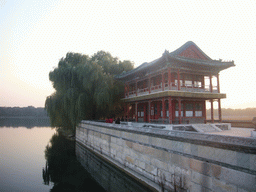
34	35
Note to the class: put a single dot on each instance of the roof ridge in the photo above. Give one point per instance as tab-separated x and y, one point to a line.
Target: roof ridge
185	46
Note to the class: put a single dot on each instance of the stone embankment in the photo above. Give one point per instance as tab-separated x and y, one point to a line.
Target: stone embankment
168	158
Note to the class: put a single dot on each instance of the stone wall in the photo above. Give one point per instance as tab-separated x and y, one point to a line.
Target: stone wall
189	161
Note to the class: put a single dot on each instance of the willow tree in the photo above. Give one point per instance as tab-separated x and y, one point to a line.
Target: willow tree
85	89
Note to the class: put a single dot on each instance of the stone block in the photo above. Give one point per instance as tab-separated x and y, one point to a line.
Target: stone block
253	162
202	180
175	159
119	141
184	162
158	154
215	171
145	158
113	139
105	137
166	143
194	187
141	138
127	135
171	168
155	141
187	148
200	167
138	147
221	186
151	169
142	164
129	159
240	179
127	151
177	146
148	175
128	144
148	151
194	150
243	160
159	164
241	190
231	157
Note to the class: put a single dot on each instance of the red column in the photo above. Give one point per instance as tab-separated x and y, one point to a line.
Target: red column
149	110
144	108
179	104
184	108
218	83
136	111
170	110
212	114
149	84
194	113
125	111
210	83
169	78
204	111
178	78
128	90
125	90
158	109
220	116
128	111
136	88
163	109
203	83
162	81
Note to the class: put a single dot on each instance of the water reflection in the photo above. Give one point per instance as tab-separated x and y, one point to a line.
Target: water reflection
16	122
63	170
108	176
22	158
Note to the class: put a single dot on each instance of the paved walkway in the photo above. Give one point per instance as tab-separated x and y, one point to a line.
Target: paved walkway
238	132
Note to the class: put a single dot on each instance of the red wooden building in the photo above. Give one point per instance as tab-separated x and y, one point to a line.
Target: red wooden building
174	88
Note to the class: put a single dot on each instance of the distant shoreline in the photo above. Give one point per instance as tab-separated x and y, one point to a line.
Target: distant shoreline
24	117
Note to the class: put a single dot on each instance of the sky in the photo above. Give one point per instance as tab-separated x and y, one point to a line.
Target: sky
35	35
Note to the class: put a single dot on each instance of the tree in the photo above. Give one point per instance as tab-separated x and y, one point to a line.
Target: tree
85	88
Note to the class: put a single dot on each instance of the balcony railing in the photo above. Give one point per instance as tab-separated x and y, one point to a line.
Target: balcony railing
172	87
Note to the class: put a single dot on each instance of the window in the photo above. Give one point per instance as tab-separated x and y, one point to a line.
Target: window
177	110
188	83
189	110
198	109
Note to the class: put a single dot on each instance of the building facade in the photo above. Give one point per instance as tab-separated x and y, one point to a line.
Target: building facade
174	88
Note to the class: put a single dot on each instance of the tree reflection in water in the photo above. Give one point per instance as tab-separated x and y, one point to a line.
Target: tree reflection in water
63	170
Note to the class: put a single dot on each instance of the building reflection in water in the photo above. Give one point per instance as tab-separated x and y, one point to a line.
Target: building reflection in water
63	171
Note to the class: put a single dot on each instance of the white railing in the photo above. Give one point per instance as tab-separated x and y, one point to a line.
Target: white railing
195	88
173	86
142	91
156	88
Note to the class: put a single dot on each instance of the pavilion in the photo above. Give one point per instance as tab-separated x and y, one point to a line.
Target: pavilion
174	88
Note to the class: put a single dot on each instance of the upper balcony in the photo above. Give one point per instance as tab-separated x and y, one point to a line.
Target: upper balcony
185	89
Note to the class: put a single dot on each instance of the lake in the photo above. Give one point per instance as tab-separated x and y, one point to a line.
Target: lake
34	157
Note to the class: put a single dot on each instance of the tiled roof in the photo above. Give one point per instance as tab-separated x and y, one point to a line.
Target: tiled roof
175	55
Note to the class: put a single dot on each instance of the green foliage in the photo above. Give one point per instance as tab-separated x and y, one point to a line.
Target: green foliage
85	88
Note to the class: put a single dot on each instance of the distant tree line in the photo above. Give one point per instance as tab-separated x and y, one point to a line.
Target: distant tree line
85	88
250	112
29	111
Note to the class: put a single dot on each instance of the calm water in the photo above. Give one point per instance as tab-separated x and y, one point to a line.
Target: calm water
22	158
36	158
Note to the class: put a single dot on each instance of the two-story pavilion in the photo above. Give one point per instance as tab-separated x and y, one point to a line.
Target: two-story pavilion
174	88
